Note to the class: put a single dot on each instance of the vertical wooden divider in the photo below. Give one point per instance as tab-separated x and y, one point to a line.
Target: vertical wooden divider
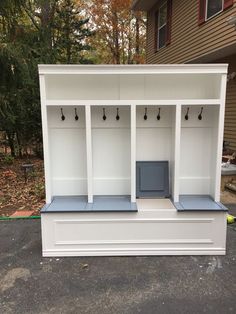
133	152
89	153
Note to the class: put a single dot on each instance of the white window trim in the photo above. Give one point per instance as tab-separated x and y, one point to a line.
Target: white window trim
208	18
158	27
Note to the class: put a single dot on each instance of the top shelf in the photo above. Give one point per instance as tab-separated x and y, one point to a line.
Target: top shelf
144	88
144	102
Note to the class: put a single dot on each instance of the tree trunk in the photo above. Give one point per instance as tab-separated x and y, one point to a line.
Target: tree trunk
68	45
46	18
129	45
116	38
19	145
137	39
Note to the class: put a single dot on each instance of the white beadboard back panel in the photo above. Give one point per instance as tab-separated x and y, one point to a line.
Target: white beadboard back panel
111	159
177	86
111	113
82	87
68	161
111	149
197	153
55	121
139	86
154	137
154	144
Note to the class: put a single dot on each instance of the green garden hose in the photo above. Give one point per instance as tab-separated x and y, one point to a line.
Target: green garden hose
19	217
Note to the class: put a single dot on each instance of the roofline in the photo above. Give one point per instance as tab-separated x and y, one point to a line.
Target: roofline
132	69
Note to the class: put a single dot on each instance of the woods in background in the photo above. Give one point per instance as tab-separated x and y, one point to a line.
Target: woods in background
57	31
119	33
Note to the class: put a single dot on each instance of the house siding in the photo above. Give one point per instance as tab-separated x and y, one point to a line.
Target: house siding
230	115
230	108
188	39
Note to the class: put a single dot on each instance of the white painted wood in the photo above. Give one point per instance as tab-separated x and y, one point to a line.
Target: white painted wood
155	204
131	87
89	87
89	153
195	185
147	232
134	252
153	144
111	160
215	131
219	140
131	83
111	151
69	186
172	152
71	87
96	157
133	153
152	112
133	69
68	161
198	150
67	151
110	122
111	185
125	102
208	119
45	139
54	117
186	86
195	159
154	138
176	150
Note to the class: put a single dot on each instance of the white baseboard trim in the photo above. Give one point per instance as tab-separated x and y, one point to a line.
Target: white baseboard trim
130	252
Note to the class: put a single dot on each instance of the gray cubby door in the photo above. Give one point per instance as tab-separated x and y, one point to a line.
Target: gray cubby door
152	179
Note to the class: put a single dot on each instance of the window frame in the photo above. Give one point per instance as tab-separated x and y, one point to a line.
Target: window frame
158	27
208	18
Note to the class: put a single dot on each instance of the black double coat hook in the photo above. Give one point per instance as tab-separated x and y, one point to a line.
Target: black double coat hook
62	115
187	115
76	115
200	114
145	114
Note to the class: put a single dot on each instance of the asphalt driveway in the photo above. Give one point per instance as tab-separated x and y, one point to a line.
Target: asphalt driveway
32	284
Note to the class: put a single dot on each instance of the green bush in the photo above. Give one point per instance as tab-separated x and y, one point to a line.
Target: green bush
8	159
39	190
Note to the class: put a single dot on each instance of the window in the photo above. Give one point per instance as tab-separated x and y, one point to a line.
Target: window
213	7
209	8
163	25
162	20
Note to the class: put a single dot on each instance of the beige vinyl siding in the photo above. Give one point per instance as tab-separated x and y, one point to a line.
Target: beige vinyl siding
188	40
230	108
230	115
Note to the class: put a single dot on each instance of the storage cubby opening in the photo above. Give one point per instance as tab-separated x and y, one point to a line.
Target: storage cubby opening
198	150
67	142
155	143
182	86
132	86
111	146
